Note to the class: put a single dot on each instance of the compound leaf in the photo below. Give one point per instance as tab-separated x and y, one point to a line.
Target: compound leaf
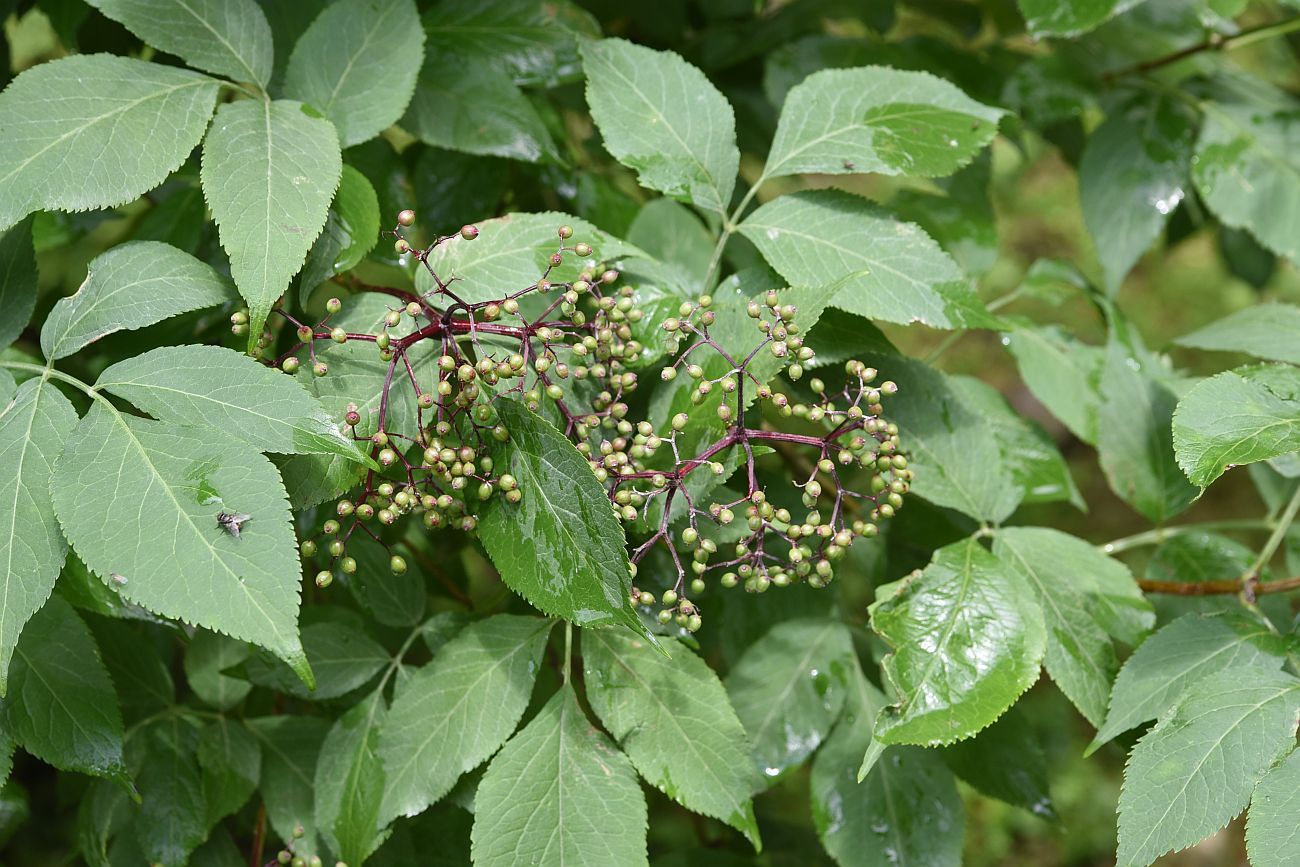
672	717
456	711
356	63
269	173
130	286
124	124
559	793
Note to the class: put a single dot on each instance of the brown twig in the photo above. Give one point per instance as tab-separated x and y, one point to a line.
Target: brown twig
1213	42
259	837
1212	588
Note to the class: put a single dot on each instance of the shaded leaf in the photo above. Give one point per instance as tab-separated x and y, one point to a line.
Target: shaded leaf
231	760
349	782
210	660
17	283
290	746
1063	374
351	231
342	658
967	639
173	812
535	43
559	792
1005	761
125	124
130	286
1262	330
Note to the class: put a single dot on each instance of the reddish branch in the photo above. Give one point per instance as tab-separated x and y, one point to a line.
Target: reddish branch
1251	587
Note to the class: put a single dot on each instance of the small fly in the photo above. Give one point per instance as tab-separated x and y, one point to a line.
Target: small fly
231	522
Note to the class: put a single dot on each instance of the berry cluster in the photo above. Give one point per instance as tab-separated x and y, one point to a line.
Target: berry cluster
570	350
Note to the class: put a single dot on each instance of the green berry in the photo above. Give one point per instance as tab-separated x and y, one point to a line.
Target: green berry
397	565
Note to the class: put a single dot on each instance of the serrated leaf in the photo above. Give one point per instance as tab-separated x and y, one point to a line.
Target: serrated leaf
1271	838
1132	175
967	639
464	104
1196	769
1181	653
33	430
515	250
61	706
290	746
907	810
342	658
1005	761
125	124
535	43
173	813
222	389
208	658
269	172
661	117
1134	440
1238	417
877	119
955	466
350	782
1032	458
357	64
1063	374
139	499
1080	656
671	716
559	793
231	760
788	689
1247	170
130	286
17	282
560	547
456	711
1070	17
894	270
351	231
1263	330
228	37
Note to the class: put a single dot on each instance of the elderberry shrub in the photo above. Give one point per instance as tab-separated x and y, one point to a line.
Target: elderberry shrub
568	350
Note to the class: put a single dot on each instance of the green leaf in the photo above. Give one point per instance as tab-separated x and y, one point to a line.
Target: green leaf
130	286
466	105
896	271
456	711
222	389
227	37
139	499
1133	174
906	811
1059	568
1070	17
357	64
1134	439
290	746
1062	373
269	172
1196	769
1032	458
1263	330
124	124
559	793
61	706
533	42
877	119
959	215
351	231
173	814
1247	169
515	250
207	659
662	117
33	430
393	600
674	235
789	688
1271	838
951	447
1238	417
967	639
231	760
17	282
1180	654
561	547
350	783
342	657
1005	761
671	715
